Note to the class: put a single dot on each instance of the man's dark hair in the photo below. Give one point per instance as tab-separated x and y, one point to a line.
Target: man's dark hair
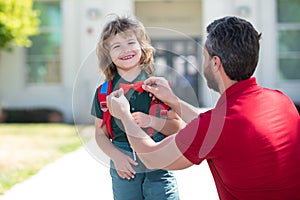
236	43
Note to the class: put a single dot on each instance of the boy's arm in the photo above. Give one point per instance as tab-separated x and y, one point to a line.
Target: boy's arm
167	126
120	159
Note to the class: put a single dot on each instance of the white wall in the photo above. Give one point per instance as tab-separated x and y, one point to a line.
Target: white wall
267	67
11	77
167	16
80	32
16	93
82	23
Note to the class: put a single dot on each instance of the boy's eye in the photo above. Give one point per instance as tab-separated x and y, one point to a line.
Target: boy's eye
131	42
116	46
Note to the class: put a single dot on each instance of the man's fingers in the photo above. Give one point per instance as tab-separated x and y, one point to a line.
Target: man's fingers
150	81
117	93
154	80
149	88
120	92
113	96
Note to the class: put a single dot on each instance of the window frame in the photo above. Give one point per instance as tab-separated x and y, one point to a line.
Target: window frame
286	26
56	58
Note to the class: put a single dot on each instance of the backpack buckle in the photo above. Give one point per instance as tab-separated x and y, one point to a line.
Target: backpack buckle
103	106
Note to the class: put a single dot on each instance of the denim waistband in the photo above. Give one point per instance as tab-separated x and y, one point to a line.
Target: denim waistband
122	145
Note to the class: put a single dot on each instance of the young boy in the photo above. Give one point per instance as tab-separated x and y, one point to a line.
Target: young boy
126	59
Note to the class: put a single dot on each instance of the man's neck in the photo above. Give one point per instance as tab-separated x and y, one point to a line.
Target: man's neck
225	83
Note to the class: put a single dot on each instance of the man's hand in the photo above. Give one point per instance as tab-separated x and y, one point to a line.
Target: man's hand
118	105
160	88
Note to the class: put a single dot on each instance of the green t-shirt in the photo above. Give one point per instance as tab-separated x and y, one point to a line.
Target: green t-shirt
139	102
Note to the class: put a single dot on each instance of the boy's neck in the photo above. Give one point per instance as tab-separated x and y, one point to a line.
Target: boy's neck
129	75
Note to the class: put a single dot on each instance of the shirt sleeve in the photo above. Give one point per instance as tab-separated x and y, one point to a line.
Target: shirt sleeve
198	140
96	110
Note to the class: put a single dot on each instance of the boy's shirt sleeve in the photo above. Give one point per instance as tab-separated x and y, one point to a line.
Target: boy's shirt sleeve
96	110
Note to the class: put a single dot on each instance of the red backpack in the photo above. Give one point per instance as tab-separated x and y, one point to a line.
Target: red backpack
157	108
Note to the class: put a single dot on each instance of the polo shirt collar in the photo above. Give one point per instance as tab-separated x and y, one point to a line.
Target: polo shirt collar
238	87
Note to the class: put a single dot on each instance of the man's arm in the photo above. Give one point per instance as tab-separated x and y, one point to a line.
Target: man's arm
186	111
162	155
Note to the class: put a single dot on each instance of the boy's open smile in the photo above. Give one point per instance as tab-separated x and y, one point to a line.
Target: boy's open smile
125	51
127	57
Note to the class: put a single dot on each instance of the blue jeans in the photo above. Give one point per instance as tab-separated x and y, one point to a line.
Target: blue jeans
146	185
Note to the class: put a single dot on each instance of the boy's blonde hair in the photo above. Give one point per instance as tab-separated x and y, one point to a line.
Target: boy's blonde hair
122	25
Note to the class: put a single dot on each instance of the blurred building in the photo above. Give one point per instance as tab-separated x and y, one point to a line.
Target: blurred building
59	72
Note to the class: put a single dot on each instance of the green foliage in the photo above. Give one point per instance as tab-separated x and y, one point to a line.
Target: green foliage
18	21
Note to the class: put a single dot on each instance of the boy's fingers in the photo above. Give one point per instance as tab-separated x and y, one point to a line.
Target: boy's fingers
133	162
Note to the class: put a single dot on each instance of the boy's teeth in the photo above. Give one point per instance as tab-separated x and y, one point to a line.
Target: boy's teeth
126	57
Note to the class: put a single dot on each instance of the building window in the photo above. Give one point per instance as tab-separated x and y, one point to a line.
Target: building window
288	19
178	60
43	64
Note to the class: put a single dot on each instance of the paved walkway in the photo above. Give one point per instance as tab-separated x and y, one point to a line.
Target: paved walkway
79	176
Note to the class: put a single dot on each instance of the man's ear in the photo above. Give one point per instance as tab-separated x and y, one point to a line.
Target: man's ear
216	63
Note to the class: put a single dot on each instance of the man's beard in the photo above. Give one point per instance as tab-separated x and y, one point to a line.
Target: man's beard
210	79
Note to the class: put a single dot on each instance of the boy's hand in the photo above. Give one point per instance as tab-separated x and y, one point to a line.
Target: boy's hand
123	165
142	119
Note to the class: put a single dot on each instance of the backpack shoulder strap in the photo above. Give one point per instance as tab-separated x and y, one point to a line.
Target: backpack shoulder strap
158	109
103	90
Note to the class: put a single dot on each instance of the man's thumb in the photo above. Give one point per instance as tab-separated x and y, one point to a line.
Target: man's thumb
148	88
121	92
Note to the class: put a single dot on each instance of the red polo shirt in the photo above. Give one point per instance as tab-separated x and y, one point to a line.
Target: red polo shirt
251	141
